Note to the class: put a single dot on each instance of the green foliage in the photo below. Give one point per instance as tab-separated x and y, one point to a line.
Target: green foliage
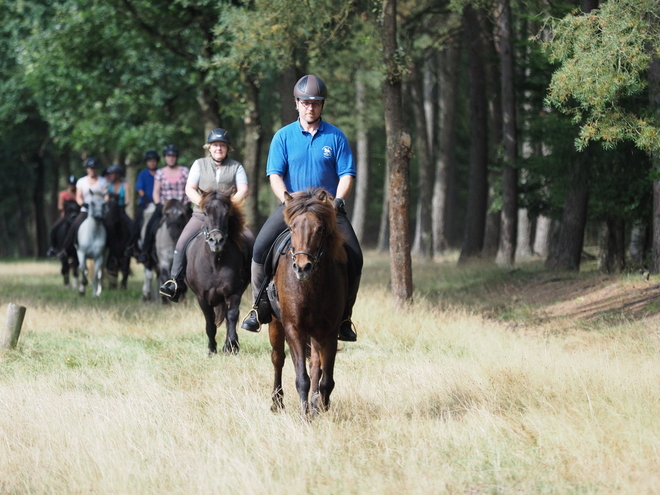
603	57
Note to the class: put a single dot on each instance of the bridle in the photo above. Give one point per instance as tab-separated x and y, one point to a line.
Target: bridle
316	258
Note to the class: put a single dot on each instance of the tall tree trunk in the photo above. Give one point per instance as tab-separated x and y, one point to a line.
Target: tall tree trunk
361	205
654	97
524	235
423	245
494	94
384	228
208	104
612	253
398	158
252	151
38	203
542	236
508	230
288	112
448	82
478	182
566	254
637	247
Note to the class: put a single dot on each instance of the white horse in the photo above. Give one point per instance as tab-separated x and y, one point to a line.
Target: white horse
91	245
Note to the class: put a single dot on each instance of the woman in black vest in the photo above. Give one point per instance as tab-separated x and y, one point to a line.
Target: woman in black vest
217	171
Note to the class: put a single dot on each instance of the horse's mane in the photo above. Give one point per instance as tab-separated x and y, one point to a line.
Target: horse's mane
236	214
318	202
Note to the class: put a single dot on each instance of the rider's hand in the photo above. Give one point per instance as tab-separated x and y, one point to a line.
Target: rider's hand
339	205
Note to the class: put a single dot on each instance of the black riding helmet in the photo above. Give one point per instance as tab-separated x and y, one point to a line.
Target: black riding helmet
219	134
170	149
115	169
151	155
92	162
71	179
310	87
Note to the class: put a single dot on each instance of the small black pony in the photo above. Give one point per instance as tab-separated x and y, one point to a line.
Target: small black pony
118	227
58	234
218	269
312	287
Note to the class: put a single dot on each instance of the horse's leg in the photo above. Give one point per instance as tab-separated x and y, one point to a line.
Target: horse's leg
125	268
297	346
231	340
97	284
211	328
315	376
65	271
277	356
146	285
82	262
327	384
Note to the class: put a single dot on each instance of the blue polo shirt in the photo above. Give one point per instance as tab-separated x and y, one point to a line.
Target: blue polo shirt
145	182
303	160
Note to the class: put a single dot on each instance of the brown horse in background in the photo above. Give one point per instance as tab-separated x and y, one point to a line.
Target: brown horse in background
312	287
218	268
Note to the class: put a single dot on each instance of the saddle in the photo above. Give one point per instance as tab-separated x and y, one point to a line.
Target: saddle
279	247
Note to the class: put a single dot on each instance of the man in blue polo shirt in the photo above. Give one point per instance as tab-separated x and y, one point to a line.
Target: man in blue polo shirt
308	152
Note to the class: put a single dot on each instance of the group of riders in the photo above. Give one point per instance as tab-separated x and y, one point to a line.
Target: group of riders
309	152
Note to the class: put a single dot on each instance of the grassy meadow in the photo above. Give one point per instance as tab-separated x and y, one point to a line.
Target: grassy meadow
467	391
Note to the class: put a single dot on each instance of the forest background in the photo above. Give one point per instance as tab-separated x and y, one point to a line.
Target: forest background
501	128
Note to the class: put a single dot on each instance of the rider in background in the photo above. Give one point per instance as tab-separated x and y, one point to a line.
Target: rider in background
308	152
116	184
86	187
219	172
65	199
144	187
169	183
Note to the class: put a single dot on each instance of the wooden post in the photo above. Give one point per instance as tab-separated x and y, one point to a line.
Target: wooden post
15	315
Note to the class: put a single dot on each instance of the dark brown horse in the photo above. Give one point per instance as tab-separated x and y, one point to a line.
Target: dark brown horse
218	269
312	287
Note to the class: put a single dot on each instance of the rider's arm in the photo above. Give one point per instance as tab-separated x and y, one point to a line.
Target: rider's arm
277	185
241	193
60	203
345	186
156	193
127	194
192	191
79	196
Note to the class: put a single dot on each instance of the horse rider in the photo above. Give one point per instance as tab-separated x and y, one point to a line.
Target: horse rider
64	199
88	185
216	171
144	186
169	183
307	152
117	184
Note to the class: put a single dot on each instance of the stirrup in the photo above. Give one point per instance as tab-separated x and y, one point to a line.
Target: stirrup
176	289
253	313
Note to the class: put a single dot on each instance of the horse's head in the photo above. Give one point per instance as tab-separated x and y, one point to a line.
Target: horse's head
174	212
97	208
217	209
311	217
111	208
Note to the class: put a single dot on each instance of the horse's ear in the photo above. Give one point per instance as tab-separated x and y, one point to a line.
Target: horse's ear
287	197
323	196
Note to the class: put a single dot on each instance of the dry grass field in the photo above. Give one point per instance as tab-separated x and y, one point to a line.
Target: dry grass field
492	381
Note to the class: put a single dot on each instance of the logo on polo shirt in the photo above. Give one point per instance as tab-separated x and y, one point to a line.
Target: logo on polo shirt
327	151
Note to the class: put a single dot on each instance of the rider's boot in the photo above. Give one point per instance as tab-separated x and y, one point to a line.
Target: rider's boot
346	329
260	312
175	287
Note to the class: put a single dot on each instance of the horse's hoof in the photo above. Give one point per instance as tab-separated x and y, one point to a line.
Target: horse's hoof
276	408
233	348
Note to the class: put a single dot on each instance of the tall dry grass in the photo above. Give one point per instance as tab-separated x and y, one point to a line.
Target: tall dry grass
112	396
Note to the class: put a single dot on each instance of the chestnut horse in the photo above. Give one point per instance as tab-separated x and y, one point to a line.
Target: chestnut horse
218	269
312	288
